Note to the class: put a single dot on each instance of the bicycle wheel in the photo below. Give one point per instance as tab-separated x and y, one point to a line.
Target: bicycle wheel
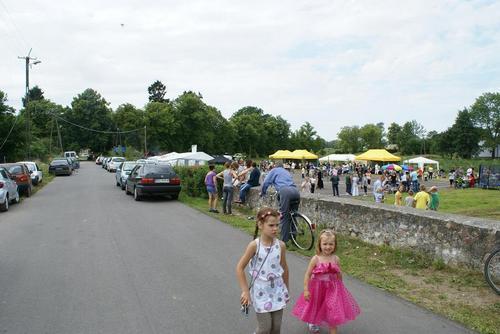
302	231
492	270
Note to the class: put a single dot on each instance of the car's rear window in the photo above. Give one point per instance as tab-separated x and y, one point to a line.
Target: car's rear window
128	166
118	159
157	169
16	170
59	162
3	174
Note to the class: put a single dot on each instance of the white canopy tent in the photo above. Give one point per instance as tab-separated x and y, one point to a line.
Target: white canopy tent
185	159
338	157
421	161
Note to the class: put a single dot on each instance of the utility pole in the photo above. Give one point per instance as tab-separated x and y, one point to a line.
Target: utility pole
145	146
28	62
59	135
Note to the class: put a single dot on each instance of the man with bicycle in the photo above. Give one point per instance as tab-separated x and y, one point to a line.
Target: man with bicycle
282	181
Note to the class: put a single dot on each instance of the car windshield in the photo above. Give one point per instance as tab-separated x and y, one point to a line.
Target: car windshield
118	159
30	166
3	174
16	170
59	162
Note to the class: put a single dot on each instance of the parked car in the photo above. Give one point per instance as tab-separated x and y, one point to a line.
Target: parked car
60	166
105	162
122	172
36	172
22	176
114	163
75	163
8	189
71	154
153	180
99	160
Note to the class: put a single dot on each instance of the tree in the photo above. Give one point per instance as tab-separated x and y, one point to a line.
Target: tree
393	133
157	92
162	127
409	137
251	137
34	94
465	137
349	139
306	138
371	136
90	111
485	113
12	134
127	117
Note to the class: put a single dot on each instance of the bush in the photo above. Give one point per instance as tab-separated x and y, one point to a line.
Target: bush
193	180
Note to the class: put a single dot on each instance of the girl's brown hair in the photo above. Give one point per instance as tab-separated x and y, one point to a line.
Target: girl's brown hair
234	165
261	217
227	164
329	234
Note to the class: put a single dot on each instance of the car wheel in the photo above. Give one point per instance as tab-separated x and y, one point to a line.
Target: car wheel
5	206
123	187
126	190
17	199
118	184
176	196
28	192
137	197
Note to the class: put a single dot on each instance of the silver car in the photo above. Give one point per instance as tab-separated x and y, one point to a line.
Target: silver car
113	164
35	171
8	190
122	172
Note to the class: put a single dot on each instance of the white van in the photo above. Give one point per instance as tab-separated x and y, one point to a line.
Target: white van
70	154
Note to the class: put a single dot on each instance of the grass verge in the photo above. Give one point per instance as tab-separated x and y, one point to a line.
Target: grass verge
47	178
457	293
482	203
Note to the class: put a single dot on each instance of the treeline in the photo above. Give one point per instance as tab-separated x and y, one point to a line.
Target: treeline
475	128
171	125
174	125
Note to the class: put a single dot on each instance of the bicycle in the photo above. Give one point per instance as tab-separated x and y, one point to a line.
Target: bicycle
492	269
301	228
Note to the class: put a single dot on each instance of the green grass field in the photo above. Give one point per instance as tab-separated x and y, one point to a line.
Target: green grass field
475	202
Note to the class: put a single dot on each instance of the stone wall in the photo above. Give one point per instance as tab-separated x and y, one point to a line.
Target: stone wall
457	240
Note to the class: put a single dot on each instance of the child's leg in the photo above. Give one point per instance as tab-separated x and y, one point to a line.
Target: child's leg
276	321
264	323
333	330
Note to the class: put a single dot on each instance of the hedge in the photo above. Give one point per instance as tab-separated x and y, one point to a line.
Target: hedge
193	180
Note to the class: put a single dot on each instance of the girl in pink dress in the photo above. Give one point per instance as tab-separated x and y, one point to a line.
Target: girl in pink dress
325	300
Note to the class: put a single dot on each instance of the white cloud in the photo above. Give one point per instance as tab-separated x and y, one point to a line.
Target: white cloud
332	63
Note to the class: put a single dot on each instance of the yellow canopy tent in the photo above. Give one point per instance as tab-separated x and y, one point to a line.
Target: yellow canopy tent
377	155
303	155
281	154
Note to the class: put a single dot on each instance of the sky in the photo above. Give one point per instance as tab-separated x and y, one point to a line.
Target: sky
327	62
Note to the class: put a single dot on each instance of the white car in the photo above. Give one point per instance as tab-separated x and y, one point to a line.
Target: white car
35	171
8	190
113	164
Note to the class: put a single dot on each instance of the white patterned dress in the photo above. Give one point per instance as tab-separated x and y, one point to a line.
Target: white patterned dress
269	292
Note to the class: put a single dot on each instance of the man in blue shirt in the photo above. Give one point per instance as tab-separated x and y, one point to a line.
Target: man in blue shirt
253	181
282	181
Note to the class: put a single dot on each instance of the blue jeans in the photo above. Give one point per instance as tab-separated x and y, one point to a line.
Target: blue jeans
243	192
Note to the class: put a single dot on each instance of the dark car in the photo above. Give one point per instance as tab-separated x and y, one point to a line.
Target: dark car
60	167
23	177
153	180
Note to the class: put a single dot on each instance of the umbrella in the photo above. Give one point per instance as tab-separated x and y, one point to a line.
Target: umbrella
406	167
392	167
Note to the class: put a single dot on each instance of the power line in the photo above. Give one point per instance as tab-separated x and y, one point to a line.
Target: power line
93	130
8	135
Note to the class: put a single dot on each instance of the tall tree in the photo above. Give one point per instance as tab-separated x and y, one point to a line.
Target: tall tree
393	133
89	111
12	135
157	92
34	94
465	135
485	113
372	136
349	139
127	117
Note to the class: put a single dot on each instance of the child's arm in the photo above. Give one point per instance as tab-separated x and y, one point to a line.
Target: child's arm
307	276
284	265
219	176
337	260
240	272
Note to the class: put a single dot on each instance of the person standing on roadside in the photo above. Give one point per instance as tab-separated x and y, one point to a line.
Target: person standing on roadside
282	181
211	184
348	183
228	175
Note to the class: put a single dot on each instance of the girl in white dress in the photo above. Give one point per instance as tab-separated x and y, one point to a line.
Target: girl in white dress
268	289
354	187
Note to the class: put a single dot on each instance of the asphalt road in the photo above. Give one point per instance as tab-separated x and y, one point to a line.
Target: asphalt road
82	257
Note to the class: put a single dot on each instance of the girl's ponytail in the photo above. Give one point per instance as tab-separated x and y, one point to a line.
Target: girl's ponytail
256	230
